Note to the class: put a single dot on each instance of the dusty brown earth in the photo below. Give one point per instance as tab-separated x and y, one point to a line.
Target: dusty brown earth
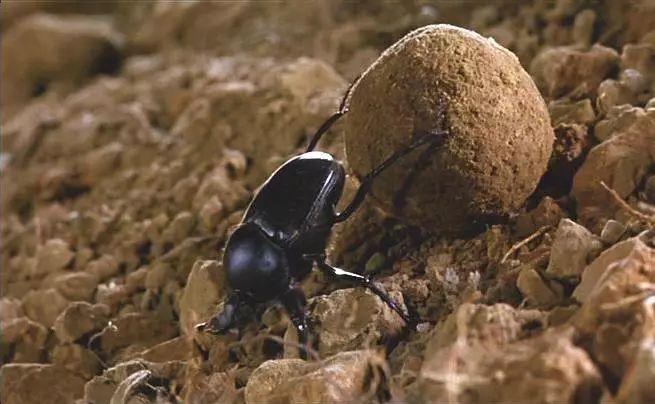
134	134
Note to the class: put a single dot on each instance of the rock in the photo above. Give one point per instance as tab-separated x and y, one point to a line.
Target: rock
547	213
181	190
534	289
347	317
132	388
572	248
565	111
179	228
639	57
104	267
100	162
32	383
82	257
10	309
637	385
99	390
80	319
10	375
595	272
54	255
211	213
24	338
113	295
126	382
621	162
77	359
558	71
497	240
614	317
77	285
625	91
204	289
158	275
15	12
649	189
71	49
375	263
548	366
650	104
473	93
617	120
176	349
487	324
136	330
137	279
612	232
341	378
635	81
212	388
583	27
43	306
217	182
561	314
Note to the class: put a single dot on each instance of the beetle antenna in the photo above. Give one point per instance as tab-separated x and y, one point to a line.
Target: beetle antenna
343	109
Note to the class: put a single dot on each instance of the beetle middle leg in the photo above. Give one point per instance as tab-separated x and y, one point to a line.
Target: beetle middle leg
360	280
433	139
295	302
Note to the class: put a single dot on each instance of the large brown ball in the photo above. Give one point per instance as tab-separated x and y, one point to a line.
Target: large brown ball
444	78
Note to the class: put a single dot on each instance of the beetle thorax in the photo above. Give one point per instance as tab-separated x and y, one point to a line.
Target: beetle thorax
255	264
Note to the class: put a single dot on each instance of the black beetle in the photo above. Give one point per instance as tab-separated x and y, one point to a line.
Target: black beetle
285	230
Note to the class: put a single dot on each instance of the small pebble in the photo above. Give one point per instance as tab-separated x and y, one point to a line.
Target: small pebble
633	80
53	256
612	231
572	247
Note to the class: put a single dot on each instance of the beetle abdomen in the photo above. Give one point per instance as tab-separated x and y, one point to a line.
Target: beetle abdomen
298	197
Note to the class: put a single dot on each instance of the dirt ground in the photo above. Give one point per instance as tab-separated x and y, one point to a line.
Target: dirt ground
135	133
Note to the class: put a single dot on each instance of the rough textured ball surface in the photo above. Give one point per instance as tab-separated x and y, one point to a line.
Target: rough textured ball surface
444	78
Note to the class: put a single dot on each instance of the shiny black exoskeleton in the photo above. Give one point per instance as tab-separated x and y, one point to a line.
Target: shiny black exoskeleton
285	230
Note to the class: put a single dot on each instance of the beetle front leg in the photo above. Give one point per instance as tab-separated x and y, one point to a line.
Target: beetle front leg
434	139
230	317
295	302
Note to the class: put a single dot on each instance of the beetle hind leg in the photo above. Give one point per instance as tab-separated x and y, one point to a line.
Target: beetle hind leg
366	282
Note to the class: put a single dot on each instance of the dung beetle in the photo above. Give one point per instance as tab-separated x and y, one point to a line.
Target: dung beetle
284	232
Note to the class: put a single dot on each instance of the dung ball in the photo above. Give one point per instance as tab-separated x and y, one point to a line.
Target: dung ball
495	128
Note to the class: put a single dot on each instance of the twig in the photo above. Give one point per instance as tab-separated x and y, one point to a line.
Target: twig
525	241
632	211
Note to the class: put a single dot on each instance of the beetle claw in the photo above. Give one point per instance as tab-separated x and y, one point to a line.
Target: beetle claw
207	327
202	327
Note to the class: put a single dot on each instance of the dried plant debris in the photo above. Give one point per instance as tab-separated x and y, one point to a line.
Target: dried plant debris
133	136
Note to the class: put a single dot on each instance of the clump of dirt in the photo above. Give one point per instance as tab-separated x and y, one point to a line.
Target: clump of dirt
120	186
477	100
